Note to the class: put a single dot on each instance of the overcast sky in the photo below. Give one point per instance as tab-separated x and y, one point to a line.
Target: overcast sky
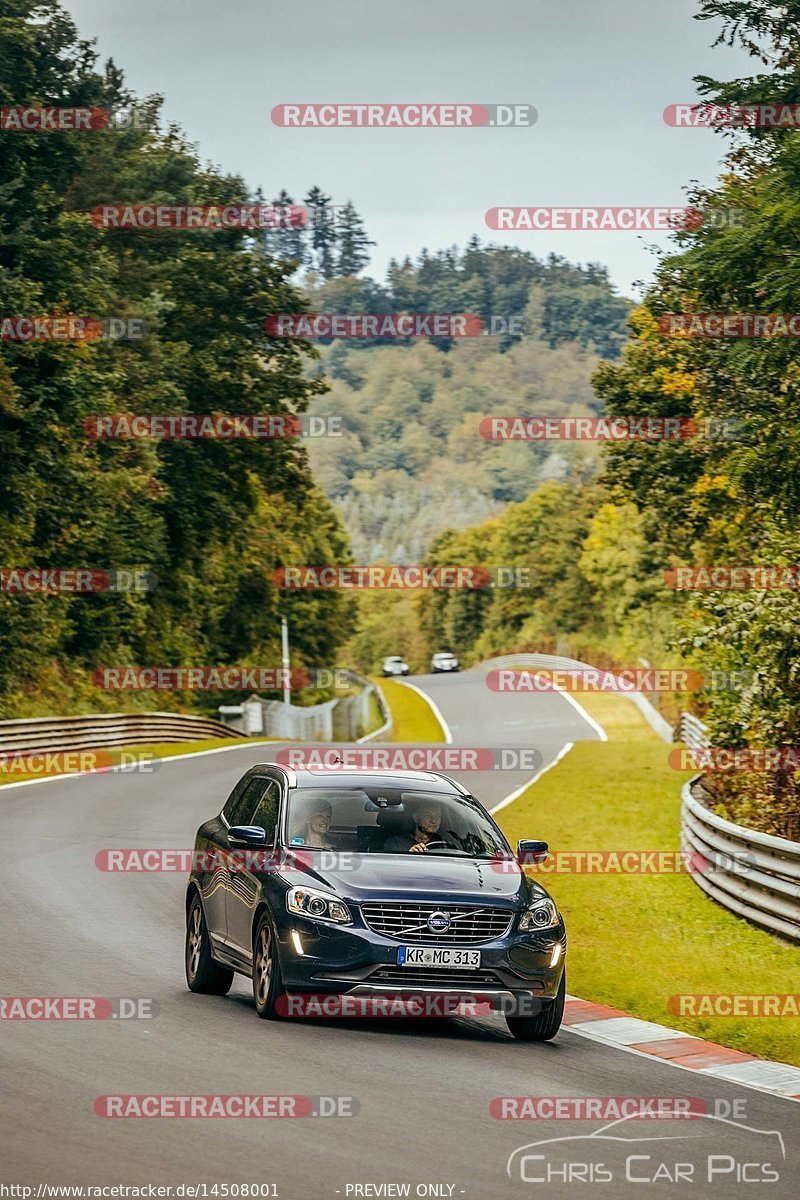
599	74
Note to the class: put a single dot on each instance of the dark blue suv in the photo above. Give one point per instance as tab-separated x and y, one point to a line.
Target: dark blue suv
369	884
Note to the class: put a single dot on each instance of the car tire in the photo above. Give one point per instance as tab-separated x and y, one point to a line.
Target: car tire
546	1024
268	989
203	973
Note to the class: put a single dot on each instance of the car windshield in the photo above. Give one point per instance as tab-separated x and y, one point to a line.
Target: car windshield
391	820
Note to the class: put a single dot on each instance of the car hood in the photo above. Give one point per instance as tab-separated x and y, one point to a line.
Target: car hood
425	878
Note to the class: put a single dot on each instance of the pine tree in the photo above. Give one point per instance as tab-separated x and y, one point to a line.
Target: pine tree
289	236
353	242
323	232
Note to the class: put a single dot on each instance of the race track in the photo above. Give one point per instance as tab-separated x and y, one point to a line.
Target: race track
423	1090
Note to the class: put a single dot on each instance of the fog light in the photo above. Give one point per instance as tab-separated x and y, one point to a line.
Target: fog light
298	945
556	955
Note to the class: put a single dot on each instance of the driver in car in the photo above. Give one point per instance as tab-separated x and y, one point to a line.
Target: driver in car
428	819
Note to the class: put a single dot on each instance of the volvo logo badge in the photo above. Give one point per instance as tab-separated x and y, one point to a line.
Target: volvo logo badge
438	922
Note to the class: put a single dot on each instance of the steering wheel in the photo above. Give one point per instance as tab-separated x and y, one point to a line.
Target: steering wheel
436	842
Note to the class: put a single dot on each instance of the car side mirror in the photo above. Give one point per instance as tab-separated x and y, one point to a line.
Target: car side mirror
246	835
529	852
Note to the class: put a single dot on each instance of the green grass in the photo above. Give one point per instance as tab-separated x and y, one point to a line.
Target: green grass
153	749
412	717
637	940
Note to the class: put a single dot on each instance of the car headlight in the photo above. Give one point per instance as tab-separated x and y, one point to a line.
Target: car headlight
540	914
319	905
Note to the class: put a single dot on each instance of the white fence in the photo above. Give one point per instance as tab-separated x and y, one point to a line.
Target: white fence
344	719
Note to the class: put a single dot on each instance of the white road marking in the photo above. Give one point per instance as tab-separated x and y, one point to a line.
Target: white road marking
534	779
434	707
596	726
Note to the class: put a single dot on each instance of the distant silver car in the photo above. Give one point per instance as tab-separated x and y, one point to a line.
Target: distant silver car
444	662
395	665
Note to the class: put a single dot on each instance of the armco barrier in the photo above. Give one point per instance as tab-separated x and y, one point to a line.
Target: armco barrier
750	873
337	720
691	731
105	729
754	874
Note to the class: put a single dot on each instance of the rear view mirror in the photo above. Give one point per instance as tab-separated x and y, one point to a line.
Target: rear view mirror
529	852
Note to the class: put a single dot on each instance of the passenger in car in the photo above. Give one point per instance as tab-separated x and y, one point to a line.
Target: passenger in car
427	817
314	828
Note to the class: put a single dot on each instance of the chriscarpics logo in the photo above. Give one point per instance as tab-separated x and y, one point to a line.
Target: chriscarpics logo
708	1152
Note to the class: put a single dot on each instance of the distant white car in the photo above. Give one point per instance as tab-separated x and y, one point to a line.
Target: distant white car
394	665
444	662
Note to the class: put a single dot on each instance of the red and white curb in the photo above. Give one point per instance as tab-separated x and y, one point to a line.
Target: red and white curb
615	1028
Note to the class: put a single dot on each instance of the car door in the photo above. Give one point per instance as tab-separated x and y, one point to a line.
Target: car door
260	806
212	845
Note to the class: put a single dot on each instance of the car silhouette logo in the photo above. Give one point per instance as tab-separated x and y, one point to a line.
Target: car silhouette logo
438	922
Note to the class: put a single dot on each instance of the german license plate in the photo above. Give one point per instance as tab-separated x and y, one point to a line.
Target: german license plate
437	956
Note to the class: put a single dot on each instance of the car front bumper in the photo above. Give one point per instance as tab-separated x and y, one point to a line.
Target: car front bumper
354	959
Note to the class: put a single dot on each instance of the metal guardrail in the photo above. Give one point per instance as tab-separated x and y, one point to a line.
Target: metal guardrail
42	734
340	719
692	732
753	874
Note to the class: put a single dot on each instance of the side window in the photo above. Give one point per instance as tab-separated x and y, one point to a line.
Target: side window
233	799
266	815
245	805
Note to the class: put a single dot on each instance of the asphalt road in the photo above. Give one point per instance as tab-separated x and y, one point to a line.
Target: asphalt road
423	1089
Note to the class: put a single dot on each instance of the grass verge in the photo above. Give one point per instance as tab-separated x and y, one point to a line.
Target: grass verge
412	716
637	940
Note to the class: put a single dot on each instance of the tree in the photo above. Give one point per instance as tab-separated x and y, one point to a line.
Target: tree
212	519
353	242
323	233
288	240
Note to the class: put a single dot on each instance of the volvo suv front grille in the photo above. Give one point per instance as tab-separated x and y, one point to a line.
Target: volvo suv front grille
462	924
